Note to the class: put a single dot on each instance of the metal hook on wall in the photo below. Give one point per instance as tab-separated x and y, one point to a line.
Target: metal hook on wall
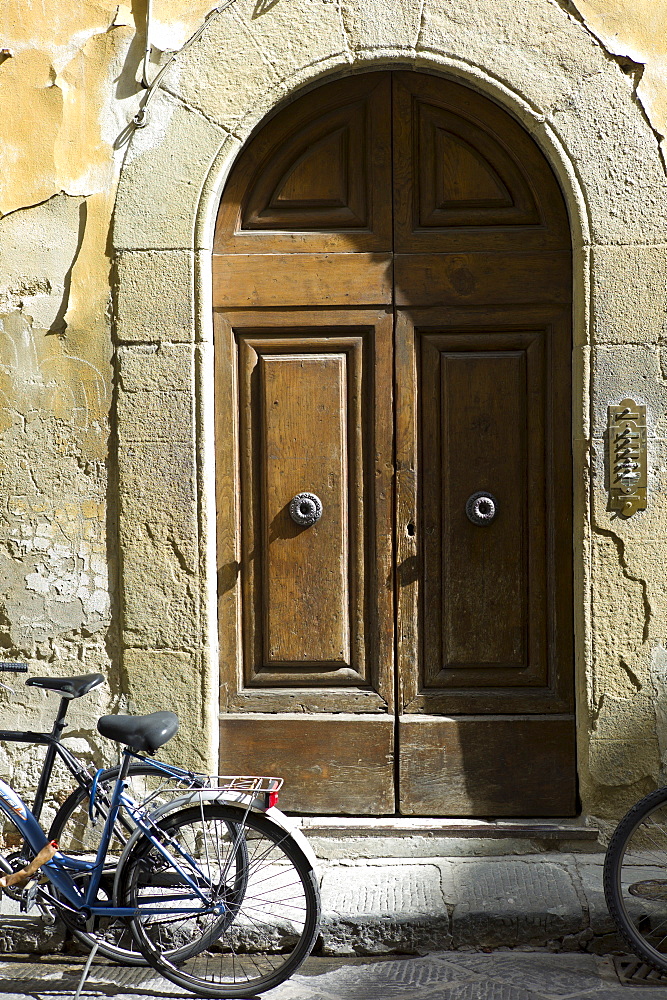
140	120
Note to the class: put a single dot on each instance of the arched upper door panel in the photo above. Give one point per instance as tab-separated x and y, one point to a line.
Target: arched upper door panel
319	183
465	175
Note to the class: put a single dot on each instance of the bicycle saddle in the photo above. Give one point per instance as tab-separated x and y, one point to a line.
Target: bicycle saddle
141	732
68	687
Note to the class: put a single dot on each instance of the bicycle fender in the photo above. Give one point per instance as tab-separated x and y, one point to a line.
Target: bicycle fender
240	801
290	826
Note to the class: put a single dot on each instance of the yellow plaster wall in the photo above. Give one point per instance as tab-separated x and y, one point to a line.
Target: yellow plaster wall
68	87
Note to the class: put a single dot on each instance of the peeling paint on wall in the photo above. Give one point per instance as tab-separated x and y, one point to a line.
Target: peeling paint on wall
635	30
69	84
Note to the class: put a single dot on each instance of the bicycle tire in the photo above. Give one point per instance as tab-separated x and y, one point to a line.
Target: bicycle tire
270	929
637	903
75	834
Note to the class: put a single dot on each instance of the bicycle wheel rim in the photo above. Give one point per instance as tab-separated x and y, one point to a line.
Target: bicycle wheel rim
635	879
273	925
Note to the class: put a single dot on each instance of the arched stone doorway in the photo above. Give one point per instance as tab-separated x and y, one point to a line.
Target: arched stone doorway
391	293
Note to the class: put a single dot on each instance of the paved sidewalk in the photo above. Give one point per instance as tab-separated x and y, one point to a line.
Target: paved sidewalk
502	975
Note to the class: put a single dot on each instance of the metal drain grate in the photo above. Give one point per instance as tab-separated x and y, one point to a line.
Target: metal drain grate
632	971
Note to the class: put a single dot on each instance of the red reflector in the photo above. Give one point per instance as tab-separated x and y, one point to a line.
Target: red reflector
273	799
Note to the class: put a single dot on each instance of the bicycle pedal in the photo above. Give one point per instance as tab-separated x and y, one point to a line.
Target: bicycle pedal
29	895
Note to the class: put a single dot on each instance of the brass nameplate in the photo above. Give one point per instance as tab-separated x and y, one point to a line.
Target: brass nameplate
627	457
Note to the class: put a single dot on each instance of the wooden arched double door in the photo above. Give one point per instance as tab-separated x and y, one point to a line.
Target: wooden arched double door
392	287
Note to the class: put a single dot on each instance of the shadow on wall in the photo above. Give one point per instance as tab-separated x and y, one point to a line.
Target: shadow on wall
263	7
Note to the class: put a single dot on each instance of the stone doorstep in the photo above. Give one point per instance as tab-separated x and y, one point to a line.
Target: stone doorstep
405	826
414	905
376	837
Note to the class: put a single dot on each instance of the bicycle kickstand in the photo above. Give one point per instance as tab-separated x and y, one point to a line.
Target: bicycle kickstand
86	970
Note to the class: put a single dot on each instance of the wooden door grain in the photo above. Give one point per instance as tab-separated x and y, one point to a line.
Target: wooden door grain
306	621
392	294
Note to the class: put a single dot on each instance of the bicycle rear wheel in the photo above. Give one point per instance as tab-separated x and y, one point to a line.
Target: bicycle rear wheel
635	878
250	941
78	836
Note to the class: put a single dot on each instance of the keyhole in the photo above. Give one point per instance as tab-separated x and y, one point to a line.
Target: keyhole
410	528
485	508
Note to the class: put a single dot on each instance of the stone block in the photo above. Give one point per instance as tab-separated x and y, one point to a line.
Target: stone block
620	617
428	977
168	679
156	368
623	762
536	49
160	596
155	416
161	480
372	909
236	72
169	527
516	902
154	300
629	370
163	175
517	976
589	871
617	157
643	534
375	25
626	718
629	294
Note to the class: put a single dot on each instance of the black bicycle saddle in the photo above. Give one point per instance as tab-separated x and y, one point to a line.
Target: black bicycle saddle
141	732
68	687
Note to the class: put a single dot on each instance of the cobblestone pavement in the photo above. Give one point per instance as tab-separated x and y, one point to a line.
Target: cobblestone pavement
500	975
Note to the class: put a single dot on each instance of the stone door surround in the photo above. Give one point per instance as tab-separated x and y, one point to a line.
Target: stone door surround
539	63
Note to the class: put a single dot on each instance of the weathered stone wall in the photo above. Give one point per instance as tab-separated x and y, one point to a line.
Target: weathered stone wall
106	507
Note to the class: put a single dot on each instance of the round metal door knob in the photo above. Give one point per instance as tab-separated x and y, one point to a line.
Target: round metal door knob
305	509
481	508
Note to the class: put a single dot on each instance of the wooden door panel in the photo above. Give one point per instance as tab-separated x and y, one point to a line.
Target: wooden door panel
317	177
482	279
483	624
278	281
467	176
328	761
304	415
480	626
484	765
308	612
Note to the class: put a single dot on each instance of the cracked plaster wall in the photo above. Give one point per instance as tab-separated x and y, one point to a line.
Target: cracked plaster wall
68	87
627	676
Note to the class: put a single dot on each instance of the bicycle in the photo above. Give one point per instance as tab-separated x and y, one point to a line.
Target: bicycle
217	886
635	878
75	826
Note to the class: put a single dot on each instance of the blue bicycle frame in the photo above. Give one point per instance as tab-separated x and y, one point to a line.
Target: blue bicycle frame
59	867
